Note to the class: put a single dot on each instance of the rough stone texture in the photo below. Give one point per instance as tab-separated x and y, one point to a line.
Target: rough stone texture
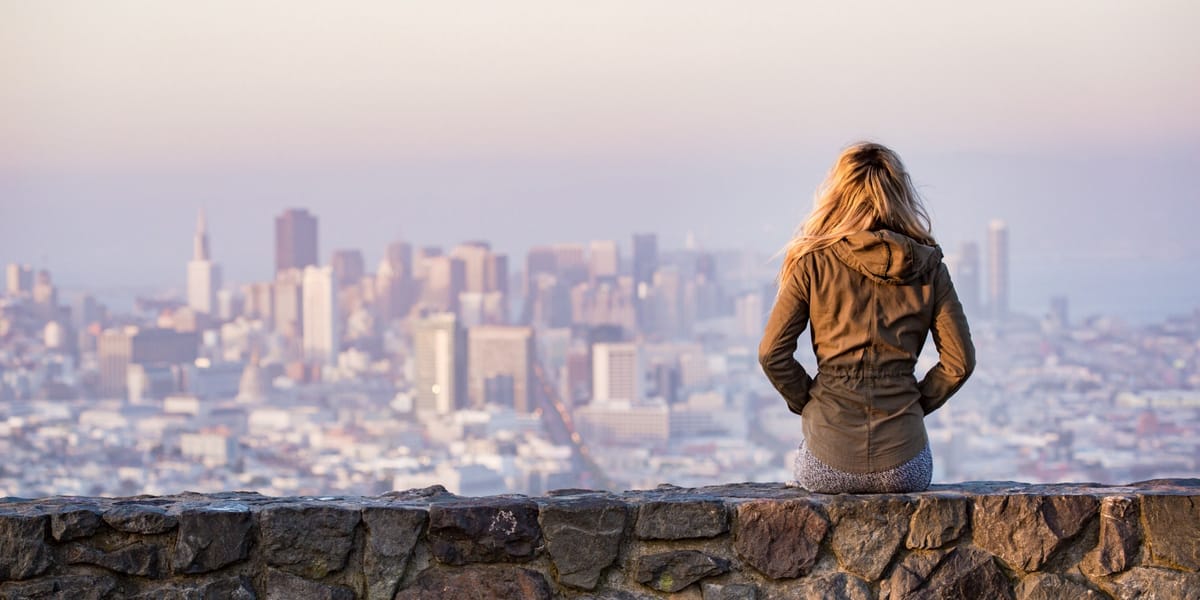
937	521
484	530
1173	530
392	533
310	540
1148	583
23	550
835	586
137	558
243	546
1119	538
583	537
478	583
285	586
681	518
1046	586
74	522
910	574
867	532
211	538
729	591
779	538
70	587
967	573
1025	530
233	588
675	570
140	518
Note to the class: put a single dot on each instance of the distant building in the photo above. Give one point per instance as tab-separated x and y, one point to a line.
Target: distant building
966	277
500	357
204	276
998	269
19	279
295	240
616	373
116	349
604	260
445	280
439	364
322	331
348	267
645	263
288	298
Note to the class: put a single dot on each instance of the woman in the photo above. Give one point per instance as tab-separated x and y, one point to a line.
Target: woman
866	271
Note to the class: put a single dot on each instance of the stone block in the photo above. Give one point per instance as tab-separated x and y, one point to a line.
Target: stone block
1025	530
1173	530
145	519
681	519
74	521
937	521
478	582
729	591
285	586
392	533
1119	537
23	550
835	586
310	540
1047	586
583	536
137	558
672	571
484	530
65	587
781	539
1149	583
212	537
867	531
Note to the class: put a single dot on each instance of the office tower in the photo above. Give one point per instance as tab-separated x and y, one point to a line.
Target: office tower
616	372
645	263
669	314
444	281
966	276
295	240
750	315
539	260
496	279
421	261
260	302
321	330
474	257
998	269
45	295
498	357
348	267
288	297
204	276
116	349
439	370
604	260
570	265
400	256
19	279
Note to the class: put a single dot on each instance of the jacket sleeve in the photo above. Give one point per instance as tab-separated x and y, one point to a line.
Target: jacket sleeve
952	337
788	319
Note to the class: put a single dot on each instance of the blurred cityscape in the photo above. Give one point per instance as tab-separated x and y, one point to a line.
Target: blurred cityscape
607	364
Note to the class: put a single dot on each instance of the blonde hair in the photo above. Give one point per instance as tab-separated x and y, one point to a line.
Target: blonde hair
868	188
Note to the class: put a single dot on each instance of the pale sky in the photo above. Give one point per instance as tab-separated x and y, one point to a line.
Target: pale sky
531	121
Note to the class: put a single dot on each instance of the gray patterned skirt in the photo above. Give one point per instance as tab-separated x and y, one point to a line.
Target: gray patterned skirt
816	476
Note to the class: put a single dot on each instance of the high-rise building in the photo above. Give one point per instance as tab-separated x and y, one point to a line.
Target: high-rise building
616	372
295	240
400	256
645	263
444	281
289	304
439	364
322	333
19	279
348	267
966	276
604	260
204	276
998	269
503	356
474	257
116	349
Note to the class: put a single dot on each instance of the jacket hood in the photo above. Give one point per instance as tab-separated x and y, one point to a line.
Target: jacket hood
887	257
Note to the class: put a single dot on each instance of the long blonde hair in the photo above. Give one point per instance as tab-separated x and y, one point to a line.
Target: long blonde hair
868	188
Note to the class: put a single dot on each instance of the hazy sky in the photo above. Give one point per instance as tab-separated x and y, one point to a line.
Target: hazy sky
537	121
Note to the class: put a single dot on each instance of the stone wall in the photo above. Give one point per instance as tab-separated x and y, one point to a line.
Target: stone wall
974	540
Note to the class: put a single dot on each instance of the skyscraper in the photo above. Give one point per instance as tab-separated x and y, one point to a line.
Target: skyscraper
20	279
998	269
474	257
438	362
966	277
204	276
348	267
604	259
616	372
295	240
322	334
503	356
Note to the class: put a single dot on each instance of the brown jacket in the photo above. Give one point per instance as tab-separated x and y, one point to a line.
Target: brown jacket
872	299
